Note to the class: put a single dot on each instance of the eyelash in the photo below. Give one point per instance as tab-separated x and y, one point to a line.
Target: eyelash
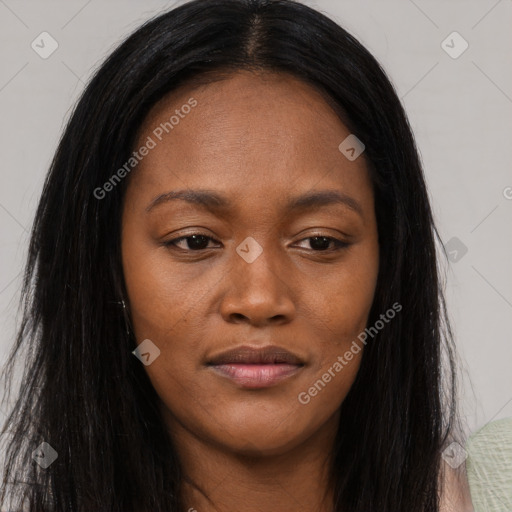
338	244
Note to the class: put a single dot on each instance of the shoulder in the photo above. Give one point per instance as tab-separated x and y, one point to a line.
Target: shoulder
483	481
489	466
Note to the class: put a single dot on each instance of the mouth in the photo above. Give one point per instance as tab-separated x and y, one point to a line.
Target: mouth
256	368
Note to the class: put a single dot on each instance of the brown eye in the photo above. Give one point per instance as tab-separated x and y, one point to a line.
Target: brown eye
323	243
194	242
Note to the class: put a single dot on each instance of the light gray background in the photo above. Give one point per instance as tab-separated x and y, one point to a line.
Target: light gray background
460	110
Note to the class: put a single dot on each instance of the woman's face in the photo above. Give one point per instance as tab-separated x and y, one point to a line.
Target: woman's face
248	272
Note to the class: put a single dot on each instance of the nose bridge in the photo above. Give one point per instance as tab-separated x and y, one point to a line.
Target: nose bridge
260	261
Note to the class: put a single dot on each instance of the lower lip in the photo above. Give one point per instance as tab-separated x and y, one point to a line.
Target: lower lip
256	375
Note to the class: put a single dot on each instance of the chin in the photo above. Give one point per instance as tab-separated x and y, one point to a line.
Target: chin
264	445
261	435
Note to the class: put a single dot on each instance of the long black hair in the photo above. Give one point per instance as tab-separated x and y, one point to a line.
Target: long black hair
82	390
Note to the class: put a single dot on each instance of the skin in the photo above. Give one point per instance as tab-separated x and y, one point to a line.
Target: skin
455	492
259	139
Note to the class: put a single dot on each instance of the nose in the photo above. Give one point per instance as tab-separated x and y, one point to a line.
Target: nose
259	292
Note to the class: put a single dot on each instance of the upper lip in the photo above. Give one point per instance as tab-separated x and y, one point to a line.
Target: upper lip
270	354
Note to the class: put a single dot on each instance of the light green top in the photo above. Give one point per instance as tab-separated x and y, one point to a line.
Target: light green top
489	467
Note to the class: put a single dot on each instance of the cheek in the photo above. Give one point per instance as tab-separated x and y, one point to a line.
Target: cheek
160	294
164	302
342	302
160	310
341	313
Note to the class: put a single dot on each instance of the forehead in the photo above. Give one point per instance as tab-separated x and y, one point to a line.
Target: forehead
248	108
255	133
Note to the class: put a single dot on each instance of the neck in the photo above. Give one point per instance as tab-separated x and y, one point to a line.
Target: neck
218	479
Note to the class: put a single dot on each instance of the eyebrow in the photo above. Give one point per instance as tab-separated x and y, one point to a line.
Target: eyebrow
215	202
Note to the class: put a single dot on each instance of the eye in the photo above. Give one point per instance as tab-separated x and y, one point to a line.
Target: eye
194	242
320	243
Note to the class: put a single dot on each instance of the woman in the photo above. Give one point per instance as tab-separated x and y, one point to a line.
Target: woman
232	299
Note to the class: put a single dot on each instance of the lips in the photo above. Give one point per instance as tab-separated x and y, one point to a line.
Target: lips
256	367
248	355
